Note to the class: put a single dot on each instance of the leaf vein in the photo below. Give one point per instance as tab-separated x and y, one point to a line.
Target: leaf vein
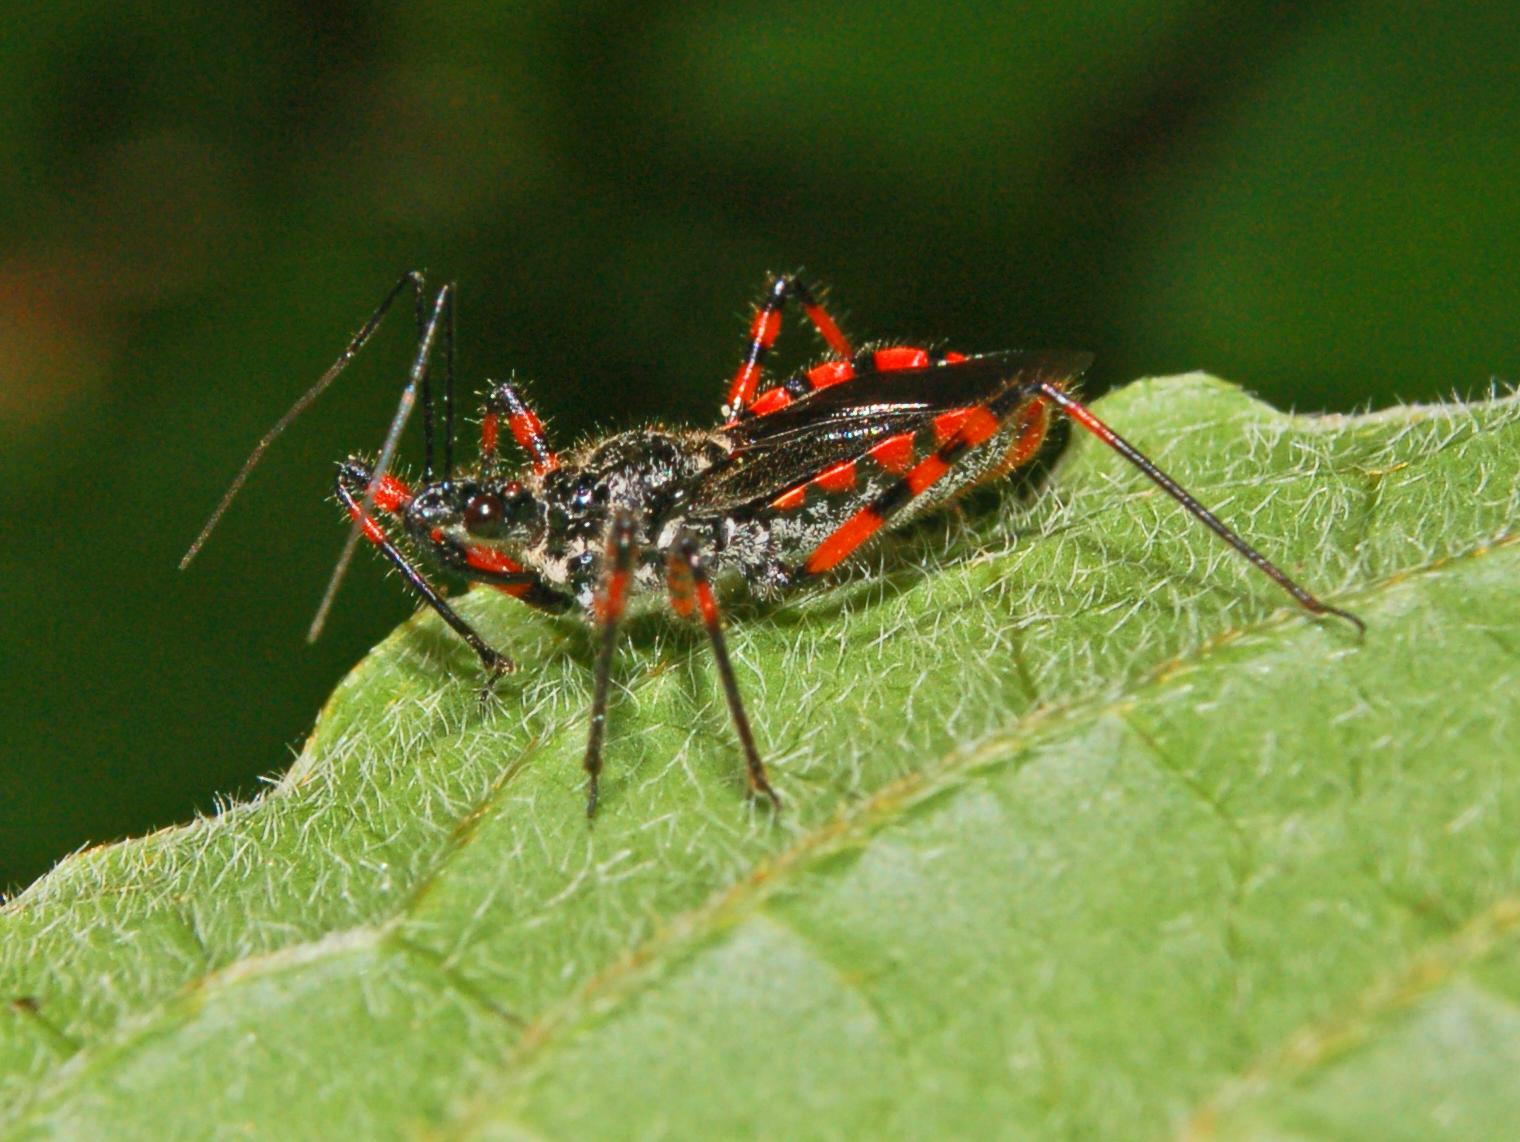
854	825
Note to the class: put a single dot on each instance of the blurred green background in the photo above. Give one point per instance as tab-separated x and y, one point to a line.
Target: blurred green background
201	202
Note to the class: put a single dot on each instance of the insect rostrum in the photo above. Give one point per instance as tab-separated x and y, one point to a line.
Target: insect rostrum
799	474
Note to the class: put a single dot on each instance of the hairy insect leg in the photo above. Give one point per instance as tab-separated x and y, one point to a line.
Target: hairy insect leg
691	590
984	421
526	428
391	495
611	602
1079	413
766	326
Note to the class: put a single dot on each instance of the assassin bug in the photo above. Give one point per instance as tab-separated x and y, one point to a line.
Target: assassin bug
798	476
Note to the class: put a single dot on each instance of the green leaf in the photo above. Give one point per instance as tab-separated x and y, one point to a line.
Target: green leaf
1087	832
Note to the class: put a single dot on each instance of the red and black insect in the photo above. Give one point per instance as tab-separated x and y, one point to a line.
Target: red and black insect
797	477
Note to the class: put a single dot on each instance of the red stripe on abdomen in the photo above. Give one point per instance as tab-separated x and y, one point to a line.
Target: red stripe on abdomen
769	401
845	539
839	478
899	357
924	473
790	501
894	454
831	373
947	424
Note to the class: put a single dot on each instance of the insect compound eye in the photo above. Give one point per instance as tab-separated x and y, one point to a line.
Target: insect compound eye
484	514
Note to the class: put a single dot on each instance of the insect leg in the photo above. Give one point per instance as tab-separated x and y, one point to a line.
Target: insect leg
690	589
1083	416
522	422
982	422
610	605
766	326
354	483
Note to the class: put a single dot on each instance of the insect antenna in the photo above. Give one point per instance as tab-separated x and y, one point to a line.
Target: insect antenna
357	342
417	378
1083	416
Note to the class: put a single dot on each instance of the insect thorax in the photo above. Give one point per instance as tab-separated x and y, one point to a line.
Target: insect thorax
649	473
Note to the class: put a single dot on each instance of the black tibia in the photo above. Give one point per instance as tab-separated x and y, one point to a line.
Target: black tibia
1083	416
353	479
686	559
611	601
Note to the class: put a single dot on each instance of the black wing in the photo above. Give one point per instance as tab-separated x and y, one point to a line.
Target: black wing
783	449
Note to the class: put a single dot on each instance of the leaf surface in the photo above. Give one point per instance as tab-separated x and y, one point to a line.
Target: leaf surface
1087	832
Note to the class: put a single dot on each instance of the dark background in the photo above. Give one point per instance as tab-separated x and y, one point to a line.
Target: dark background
200	203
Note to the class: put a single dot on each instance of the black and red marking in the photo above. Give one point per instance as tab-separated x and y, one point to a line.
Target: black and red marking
522	422
798	477
765	327
956	432
354	485
691	590
611	604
